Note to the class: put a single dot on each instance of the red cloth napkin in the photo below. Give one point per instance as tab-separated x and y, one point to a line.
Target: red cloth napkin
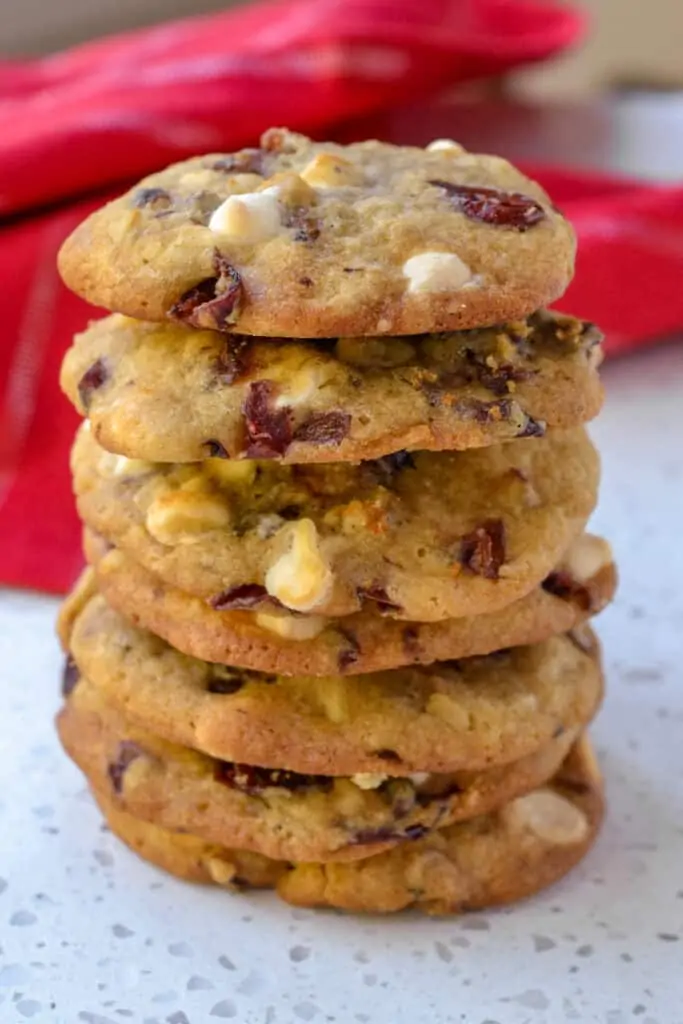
119	107
79	122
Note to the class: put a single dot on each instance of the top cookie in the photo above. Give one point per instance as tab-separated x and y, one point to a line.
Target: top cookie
304	239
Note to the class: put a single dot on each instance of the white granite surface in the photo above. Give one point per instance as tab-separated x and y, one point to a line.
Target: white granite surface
90	934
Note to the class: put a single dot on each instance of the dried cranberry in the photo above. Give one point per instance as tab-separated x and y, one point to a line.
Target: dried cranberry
243	597
493	205
157	198
269	429
127	753
348	655
213	303
324	428
253	780
378	596
234	359
91	381
483	550
247	161
562	584
70	676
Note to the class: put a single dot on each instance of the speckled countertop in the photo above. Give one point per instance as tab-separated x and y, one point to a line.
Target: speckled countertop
90	934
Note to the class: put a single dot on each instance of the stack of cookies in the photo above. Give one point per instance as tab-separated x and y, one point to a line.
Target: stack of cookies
333	637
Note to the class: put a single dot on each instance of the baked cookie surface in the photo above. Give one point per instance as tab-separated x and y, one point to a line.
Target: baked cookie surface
275	640
164	393
279	813
304	239
473	713
495	859
425	536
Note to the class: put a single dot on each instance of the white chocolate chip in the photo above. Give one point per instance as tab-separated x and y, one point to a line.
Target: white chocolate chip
298	386
221	871
250	217
301	578
368	780
329	171
288	626
181	517
118	465
445	144
549	816
232	471
373	780
586	557
332	696
436	272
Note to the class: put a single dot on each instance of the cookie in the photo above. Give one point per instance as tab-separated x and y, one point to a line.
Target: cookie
163	392
281	814
426	536
303	239
495	859
449	716
274	640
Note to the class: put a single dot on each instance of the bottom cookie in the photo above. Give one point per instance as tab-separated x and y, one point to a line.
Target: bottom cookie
490	860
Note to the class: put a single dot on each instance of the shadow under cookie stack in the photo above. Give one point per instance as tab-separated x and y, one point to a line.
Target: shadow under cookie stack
333	637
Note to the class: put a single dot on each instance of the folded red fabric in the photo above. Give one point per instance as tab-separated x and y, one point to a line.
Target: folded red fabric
128	104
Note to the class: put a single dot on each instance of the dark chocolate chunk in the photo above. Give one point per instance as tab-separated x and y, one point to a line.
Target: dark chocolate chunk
70	676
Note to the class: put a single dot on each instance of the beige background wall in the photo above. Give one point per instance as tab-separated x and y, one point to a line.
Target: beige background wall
631	40
39	26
